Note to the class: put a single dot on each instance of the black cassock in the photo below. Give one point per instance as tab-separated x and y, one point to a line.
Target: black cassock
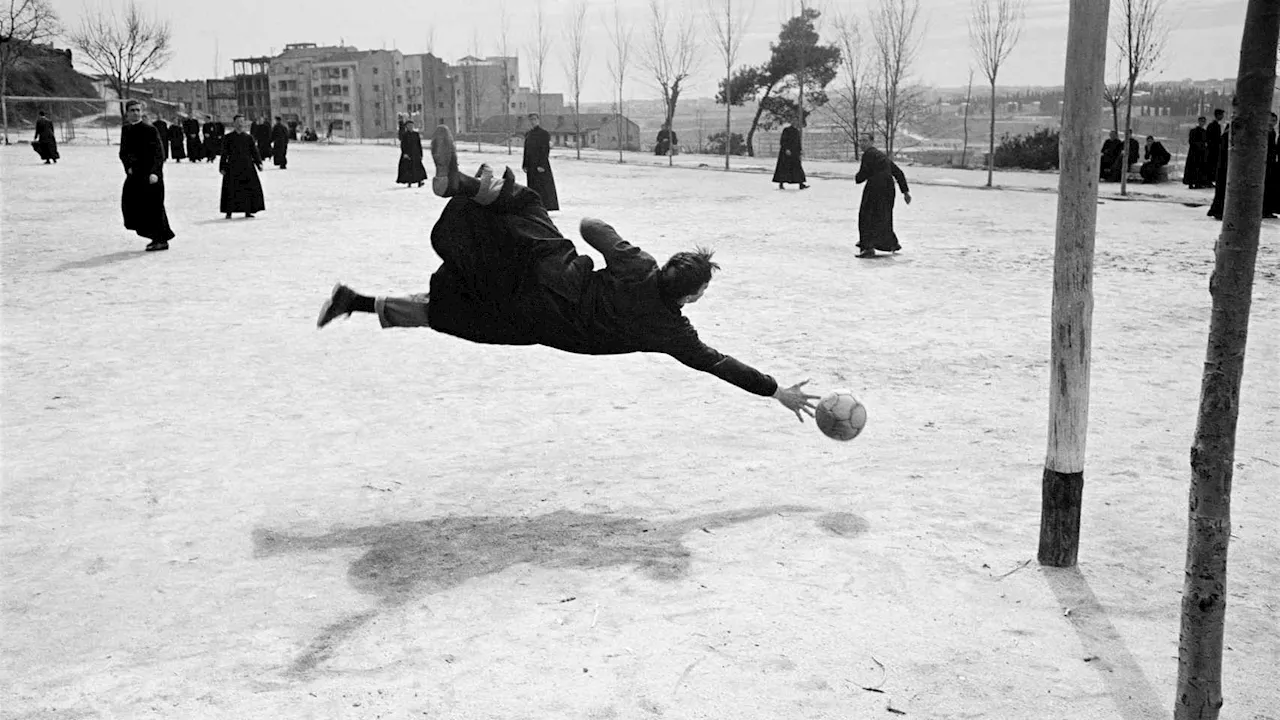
195	148
261	134
1220	178
241	188
175	140
1197	146
537	154
411	168
1271	191
141	202
1156	158
789	169
875	215
280	145
666	140
162	128
46	141
1213	149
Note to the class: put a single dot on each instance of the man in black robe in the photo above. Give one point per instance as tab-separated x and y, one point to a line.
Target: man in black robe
1111	149
162	129
142	199
241	188
1193	174
1155	157
260	131
1213	144
1223	155
875	215
280	144
175	140
212	144
510	278
195	148
411	169
46	141
537	164
666	141
788	168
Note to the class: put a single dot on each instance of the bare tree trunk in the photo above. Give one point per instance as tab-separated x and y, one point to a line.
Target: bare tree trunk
991	144
1062	485
4	102
728	107
1128	135
968	99
1204	590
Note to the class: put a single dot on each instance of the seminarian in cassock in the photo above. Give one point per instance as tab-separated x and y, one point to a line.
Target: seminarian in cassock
46	141
789	169
177	151
1195	173
280	144
191	129
260	131
875	215
142	199
241	188
537	164
411	169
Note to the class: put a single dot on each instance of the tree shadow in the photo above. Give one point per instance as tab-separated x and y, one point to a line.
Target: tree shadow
101	260
407	560
1104	647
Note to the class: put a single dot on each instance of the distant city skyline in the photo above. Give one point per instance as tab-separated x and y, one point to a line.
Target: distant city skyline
1203	43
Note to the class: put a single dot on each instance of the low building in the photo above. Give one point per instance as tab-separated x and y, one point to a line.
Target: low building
191	95
596	130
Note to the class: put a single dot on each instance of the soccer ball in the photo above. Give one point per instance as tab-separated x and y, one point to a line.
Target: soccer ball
840	415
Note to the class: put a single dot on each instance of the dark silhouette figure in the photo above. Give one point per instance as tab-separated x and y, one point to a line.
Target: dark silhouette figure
789	168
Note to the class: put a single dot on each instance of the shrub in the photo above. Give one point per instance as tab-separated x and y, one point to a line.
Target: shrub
1034	151
737	144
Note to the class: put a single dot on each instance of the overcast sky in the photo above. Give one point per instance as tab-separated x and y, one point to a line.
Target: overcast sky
1204	43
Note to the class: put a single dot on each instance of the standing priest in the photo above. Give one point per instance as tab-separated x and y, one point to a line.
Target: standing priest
537	164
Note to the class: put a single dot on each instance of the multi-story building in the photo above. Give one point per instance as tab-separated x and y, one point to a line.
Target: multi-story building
429	94
192	95
527	101
290	80
222	101
358	94
252	86
482	88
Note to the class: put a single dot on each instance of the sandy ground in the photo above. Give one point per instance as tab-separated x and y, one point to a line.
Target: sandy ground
213	510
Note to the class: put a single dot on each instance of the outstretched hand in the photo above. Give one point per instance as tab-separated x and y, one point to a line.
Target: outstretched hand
796	400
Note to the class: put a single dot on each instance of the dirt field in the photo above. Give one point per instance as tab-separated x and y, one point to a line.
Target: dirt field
213	510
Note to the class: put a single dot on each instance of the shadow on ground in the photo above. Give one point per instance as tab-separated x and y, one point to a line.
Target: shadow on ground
101	260
1104	647
407	560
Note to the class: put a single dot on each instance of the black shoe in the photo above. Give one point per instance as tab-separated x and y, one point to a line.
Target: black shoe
338	304
248	215
228	216
866	254
445	156
781	186
155	245
803	186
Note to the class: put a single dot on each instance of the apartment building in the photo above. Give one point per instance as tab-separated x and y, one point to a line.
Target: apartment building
358	94
291	80
429	94
252	86
481	89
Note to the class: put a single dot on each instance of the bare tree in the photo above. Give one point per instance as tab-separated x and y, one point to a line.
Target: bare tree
994	28
670	55
620	38
896	29
1113	91
539	51
576	62
475	91
849	96
504	49
1198	693
23	24
1140	34
122	48
968	102
728	25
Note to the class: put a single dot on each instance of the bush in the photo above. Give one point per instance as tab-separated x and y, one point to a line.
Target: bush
1035	151
737	144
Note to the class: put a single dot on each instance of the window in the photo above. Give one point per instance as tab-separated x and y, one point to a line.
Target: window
399	98
346	107
375	71
377	88
440	104
377	106
377	122
346	89
344	72
397	82
317	107
284	85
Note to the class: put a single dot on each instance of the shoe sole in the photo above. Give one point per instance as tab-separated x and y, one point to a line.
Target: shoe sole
324	319
443	154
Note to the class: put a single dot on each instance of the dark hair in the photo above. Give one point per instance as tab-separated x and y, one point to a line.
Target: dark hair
235	117
132	104
1151	137
685	273
1200	118
277	118
1219	111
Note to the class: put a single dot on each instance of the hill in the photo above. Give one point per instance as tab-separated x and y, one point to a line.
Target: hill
47	71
